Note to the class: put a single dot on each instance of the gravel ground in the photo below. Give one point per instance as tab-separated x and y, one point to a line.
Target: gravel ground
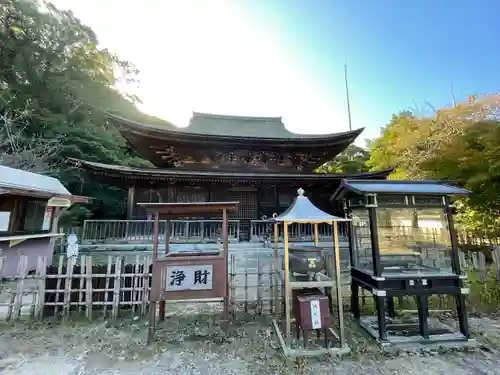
192	343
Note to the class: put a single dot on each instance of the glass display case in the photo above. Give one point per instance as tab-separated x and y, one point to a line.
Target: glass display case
414	241
362	246
403	246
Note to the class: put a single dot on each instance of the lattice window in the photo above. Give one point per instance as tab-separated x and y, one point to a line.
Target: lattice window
247	207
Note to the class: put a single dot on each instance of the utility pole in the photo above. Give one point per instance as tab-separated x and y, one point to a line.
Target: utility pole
453	96
347	97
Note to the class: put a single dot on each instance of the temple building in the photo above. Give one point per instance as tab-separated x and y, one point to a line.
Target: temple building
253	160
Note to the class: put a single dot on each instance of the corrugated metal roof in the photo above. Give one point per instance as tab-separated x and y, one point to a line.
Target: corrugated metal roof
302	210
362	187
11	178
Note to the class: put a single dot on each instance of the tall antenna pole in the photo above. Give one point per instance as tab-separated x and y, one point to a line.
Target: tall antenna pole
453	96
347	97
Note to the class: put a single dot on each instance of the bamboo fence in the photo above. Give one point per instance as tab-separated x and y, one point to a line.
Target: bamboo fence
120	285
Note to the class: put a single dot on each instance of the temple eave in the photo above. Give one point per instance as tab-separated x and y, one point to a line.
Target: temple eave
130	174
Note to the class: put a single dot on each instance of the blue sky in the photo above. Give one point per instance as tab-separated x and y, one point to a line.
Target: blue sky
286	57
399	53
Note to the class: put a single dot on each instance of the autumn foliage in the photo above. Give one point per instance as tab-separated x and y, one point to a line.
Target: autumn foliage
459	144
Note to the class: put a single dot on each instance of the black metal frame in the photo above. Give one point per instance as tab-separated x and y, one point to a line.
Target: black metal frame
385	289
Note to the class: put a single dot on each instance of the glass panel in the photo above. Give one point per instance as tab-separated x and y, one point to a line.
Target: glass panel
414	241
362	246
33	219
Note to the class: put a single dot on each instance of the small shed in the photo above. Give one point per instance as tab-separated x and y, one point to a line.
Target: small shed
30	207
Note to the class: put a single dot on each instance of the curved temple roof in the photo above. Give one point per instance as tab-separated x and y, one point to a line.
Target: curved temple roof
121	173
205	124
302	210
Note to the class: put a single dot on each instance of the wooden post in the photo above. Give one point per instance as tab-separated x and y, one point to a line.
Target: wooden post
130	202
88	284
152	305
225	244
287	282
316	236
42	270
167	236
339	284
276	270
156	229
117	287
161	305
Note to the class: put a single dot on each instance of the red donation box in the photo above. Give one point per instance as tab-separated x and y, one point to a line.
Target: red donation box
311	310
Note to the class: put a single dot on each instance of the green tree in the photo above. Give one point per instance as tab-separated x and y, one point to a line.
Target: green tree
352	160
459	144
56	84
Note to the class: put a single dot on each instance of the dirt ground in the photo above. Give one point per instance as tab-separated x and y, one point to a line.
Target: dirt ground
192	343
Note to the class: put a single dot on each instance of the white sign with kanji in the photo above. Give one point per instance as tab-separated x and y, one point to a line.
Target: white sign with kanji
315	314
179	278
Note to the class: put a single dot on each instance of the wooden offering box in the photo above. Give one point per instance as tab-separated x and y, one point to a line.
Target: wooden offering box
311	311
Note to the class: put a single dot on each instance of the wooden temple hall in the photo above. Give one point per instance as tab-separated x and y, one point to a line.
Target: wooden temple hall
253	160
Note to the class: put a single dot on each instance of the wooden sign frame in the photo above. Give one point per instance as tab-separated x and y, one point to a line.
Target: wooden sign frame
217	261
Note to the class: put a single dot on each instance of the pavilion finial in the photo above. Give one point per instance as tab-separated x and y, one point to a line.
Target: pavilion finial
301	192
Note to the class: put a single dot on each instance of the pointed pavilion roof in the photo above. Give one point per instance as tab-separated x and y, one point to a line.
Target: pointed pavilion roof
303	211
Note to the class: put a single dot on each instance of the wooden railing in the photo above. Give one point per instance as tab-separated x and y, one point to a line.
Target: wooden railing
140	231
262	230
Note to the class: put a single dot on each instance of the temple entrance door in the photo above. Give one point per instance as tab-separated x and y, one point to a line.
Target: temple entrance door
247	209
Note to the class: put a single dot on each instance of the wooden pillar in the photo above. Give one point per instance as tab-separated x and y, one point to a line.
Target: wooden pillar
130	202
225	244
152	304
277	198
316	235
259	210
276	270
338	284
288	292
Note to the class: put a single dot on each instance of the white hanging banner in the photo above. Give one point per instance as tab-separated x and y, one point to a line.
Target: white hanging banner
315	314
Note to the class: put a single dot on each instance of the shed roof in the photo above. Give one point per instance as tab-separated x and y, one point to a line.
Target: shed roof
302	210
362	187
16	179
